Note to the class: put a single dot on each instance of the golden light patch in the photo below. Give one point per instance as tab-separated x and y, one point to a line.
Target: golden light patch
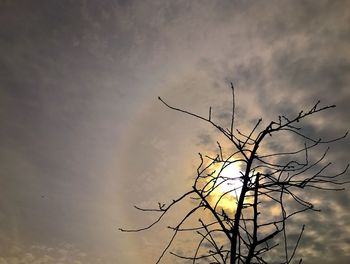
226	186
275	210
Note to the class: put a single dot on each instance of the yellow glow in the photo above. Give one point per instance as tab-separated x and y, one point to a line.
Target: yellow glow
234	184
228	185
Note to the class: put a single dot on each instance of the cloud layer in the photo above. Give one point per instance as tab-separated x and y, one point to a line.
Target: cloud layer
84	138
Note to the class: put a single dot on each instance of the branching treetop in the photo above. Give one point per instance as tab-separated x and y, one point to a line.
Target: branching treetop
244	231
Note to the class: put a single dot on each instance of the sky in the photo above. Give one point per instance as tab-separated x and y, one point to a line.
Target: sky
84	138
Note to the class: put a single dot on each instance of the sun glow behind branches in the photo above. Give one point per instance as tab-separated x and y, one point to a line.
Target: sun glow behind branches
228	185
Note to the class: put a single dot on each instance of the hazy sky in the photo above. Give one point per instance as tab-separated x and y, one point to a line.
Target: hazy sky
84	138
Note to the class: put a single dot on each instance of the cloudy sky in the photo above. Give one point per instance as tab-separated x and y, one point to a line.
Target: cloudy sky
84	138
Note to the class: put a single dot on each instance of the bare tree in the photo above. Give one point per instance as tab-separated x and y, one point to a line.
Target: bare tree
235	223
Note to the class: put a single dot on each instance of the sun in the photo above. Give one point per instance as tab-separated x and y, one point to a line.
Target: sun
230	179
228	185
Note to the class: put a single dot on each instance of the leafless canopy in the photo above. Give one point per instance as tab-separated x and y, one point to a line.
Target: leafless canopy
247	232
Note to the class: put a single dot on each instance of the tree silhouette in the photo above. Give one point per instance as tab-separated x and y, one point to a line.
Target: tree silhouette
235	224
